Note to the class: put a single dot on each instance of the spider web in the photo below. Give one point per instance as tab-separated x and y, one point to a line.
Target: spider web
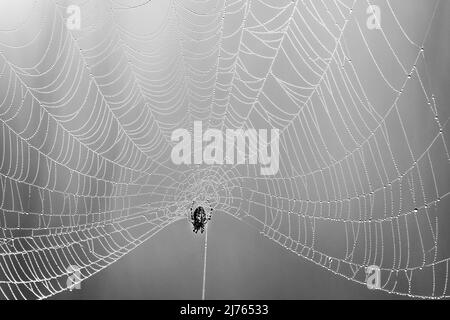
86	118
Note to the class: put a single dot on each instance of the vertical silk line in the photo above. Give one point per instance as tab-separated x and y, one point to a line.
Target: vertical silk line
204	263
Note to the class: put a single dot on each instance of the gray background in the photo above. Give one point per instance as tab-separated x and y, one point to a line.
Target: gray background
241	262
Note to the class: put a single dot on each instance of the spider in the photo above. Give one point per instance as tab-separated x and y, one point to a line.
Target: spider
199	217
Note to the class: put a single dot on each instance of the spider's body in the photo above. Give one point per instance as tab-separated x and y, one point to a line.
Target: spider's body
199	218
